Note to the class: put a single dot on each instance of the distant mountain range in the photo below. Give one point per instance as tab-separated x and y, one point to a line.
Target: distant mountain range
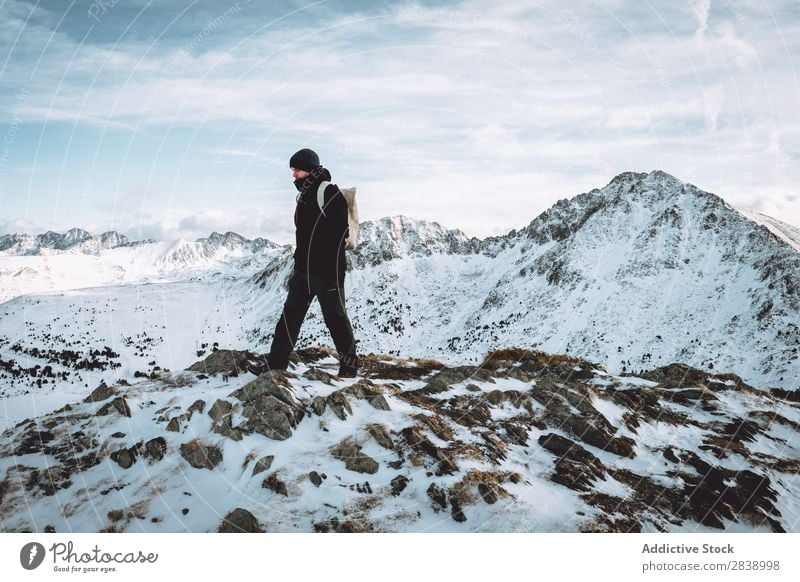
645	271
628	361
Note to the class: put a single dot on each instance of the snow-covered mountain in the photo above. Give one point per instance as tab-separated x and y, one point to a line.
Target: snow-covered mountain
646	271
77	259
524	442
75	240
653	387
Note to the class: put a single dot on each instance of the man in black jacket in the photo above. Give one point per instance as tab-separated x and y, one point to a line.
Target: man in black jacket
319	268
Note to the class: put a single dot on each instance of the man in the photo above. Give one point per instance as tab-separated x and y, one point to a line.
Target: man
319	268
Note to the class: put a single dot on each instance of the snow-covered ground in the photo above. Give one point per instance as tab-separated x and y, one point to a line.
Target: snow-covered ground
485	459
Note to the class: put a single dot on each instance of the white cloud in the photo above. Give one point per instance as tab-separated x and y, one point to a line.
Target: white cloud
20	226
424	104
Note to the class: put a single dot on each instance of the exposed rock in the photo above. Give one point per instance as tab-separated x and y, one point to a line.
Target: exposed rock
589	425
314	373
225	428
231	362
156	448
200	455
350	453
354	525
487	493
379	402
118	404
381	435
442	380
315	478
537	364
174	424
220	414
125	457
269	406
318	405
338	403
438	496
456	510
102	392
677	375
240	521
197	406
399	483
220	409
495	397
576	468
273	483
711	498
436	424
263	464
312	354
33	441
274	384
419	444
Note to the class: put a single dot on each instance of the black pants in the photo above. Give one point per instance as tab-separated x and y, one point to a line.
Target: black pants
303	287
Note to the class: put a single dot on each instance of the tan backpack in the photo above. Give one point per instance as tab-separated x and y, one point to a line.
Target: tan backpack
352	212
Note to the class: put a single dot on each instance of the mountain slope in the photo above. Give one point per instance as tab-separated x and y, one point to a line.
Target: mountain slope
645	271
642	272
52	262
524	442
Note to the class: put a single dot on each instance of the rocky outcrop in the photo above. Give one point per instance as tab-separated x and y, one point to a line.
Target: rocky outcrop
269	407
239	521
350	453
201	455
469	445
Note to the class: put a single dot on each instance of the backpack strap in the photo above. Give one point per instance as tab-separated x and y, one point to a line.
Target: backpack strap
321	195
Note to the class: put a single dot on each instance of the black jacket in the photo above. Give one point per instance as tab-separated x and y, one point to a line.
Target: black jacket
320	239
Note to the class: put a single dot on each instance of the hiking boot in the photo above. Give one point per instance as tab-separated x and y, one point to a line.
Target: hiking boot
348	369
260	365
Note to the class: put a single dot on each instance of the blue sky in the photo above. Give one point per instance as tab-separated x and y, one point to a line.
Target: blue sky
175	118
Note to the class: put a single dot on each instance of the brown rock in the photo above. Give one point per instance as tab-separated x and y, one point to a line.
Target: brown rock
240	521
156	448
350	453
201	456
118	404
272	482
102	392
263	464
381	435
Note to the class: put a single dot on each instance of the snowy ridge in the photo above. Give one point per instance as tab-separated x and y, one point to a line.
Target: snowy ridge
785	232
52	263
75	240
646	271
524	442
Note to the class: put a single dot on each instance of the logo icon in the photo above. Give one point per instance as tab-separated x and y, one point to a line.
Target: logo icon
31	555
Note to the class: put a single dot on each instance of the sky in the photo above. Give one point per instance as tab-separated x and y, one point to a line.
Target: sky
173	119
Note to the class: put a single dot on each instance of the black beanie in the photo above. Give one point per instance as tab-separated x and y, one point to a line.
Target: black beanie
305	159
